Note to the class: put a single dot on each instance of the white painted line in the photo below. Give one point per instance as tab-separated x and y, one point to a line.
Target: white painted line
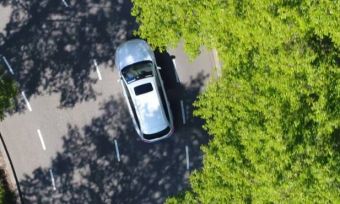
97	69
52	179
65	3
187	155
183	112
26	101
174	62
117	150
8	65
41	139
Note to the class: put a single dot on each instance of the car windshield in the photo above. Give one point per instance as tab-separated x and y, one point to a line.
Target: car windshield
137	71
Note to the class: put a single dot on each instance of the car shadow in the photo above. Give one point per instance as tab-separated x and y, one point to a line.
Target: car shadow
177	92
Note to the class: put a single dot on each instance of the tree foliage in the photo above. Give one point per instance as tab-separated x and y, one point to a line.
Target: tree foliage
274	115
8	91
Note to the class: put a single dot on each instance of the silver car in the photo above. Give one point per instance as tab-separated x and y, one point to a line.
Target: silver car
144	90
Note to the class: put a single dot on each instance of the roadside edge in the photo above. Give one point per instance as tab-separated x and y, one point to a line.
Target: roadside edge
10	173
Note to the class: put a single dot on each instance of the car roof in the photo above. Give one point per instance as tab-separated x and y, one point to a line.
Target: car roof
149	108
131	52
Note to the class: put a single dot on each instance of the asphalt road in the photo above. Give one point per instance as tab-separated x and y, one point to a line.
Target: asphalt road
72	140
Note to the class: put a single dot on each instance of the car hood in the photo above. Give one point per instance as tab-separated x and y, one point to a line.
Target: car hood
131	52
149	108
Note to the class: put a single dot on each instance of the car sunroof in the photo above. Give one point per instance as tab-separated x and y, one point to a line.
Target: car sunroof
142	89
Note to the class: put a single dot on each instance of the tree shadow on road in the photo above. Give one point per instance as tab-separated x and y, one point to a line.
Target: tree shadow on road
52	47
87	169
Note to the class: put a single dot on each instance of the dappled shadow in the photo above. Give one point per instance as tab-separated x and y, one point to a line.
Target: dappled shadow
335	139
327	51
51	47
88	171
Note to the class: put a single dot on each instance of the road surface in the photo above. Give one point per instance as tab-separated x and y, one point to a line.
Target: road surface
71	139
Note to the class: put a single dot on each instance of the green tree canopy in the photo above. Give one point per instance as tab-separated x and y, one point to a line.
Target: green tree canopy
8	91
274	114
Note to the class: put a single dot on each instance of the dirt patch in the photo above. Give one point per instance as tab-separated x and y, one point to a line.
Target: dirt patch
6	184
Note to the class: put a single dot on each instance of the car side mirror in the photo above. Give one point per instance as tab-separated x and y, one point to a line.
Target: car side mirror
159	68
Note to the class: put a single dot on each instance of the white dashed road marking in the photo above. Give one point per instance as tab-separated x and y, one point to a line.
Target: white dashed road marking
8	65
26	101
187	155
41	139
65	3
97	69
117	150
174	62
183	112
52	180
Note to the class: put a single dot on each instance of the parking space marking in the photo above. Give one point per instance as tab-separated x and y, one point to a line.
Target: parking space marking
8	65
117	150
52	180
187	156
183	112
187	110
177	78
41	139
65	3
97	69
26	101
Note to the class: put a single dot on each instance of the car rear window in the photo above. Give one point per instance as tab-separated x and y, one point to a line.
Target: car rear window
157	135
142	89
